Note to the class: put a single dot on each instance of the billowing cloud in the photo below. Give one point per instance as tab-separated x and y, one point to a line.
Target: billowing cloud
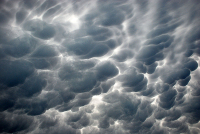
99	67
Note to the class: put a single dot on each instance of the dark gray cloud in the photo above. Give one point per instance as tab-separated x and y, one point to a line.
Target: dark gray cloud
15	72
99	67
40	29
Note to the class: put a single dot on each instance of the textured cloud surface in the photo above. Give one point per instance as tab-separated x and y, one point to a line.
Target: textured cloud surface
99	66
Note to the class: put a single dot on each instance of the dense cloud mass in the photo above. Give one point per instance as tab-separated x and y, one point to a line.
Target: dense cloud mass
99	66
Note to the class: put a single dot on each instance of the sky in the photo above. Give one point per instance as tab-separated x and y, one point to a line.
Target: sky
99	66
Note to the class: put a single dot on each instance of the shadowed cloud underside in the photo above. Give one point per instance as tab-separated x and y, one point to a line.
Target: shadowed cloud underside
99	66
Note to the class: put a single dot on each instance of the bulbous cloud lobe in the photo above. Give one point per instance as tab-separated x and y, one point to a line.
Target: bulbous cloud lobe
99	66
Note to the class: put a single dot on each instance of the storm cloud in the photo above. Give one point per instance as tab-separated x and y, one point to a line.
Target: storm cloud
99	66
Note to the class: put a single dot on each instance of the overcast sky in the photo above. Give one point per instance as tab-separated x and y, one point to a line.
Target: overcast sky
99	66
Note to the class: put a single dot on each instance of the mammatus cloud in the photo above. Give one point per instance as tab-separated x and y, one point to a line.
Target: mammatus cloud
99	66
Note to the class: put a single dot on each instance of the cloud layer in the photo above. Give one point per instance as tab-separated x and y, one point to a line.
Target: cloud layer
99	66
